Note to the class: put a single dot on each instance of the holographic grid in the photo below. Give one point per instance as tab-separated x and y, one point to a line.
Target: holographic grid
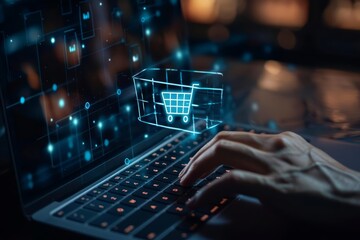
70	69
189	101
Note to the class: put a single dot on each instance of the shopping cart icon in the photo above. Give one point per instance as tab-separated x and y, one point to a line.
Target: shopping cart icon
178	104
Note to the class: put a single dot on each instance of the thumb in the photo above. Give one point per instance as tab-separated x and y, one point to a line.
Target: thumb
230	184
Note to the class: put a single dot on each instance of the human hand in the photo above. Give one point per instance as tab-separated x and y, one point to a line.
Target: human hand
282	170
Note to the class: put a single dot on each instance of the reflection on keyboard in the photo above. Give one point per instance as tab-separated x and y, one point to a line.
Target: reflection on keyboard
147	200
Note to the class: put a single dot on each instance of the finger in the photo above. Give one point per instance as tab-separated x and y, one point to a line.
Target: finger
265	142
234	154
236	182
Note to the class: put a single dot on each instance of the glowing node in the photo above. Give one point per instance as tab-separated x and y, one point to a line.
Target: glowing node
54	87
70	118
158	13
185	119
100	125
87	105
52	40
116	129
11	40
61	103
96	145
109	59
118	92
50	148
127	161
146	136
75	121
69	154
82	45
143	19
135	58
87	155
106	142
100	3
51	120
83	143
179	54
144	8
94	122
22	100
118	13
148	32
128	108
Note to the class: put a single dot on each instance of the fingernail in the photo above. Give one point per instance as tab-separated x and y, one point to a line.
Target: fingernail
191	202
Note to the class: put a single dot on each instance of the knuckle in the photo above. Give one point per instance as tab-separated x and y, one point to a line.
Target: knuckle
221	135
219	146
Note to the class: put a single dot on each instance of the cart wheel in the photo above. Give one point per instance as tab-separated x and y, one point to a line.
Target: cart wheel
170	118
185	119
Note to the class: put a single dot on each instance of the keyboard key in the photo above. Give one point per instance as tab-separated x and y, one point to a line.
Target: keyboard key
82	215
106	185
96	192
131	223
142	176
159	164
133	201
180	164
167	178
104	221
117	178
152	170
67	209
145	161
176	234
175	190
133	183
155	185
193	221
153	207
144	193
179	209
109	197
84	199
97	206
128	172
173	171
120	210
158	225
121	190
165	198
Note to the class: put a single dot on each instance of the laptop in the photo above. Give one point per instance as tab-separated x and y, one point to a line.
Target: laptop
91	154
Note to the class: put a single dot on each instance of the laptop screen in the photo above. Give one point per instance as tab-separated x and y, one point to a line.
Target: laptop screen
66	80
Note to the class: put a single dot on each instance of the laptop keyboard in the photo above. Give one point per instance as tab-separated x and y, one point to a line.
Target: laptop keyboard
147	200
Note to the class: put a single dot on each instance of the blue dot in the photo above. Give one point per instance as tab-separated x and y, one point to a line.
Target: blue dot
128	108
76	121
106	143
146	136
118	92
143	19
61	103
87	156
69	154
22	100
87	105
127	161
52	40
116	129
54	87
100	125
50	148
247	57
82	45
148	32
179	55
158	13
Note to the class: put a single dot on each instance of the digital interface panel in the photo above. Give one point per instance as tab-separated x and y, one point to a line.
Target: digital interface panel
67	70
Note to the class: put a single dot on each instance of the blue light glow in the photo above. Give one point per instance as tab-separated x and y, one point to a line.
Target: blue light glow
22	100
135	58
179	55
118	13
143	19
75	121
100	125
54	87
100	3
82	45
52	40
128	108
61	103
118	92
158	13
86	15
87	105
87	156
70	118
116	129
106	142
148	32
127	161
146	136
50	148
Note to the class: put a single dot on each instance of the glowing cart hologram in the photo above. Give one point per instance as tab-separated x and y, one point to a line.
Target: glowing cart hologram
185	100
